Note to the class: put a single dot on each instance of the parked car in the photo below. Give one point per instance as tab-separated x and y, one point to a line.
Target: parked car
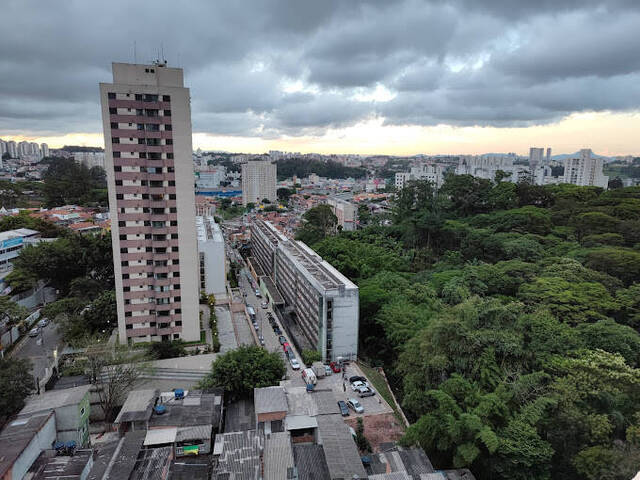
357	378
366	392
294	363
357	384
335	367
34	332
261	338
285	345
277	331
256	326
43	323
258	294
264	304
327	370
282	339
344	410
355	405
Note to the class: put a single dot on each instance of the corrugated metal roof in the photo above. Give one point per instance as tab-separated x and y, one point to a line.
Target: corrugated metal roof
192	433
341	453
137	406
391	476
298	422
160	436
278	457
269	399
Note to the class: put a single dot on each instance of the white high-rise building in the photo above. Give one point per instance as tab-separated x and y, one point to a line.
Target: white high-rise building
585	170
12	148
211	255
44	150
432	172
146	117
258	181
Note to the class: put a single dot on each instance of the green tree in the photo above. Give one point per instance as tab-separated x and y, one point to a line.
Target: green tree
166	349
10	312
68	182
16	383
361	441
240	371
317	223
310	356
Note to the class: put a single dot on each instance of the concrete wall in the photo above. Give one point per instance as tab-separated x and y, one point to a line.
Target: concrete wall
345	325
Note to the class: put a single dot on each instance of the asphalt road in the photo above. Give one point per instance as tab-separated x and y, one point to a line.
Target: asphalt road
41	356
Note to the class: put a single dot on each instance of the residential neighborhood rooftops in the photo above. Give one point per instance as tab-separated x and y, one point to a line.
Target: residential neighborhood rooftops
269	399
238	456
194	409
16	436
278	457
311	462
341	453
51	467
137	406
55	399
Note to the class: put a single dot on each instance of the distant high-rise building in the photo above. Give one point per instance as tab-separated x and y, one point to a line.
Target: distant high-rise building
585	170
146	118
548	154
12	148
3	147
258	181
44	150
535	158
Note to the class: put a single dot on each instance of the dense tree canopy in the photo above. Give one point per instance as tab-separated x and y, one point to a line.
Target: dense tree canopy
16	383
303	167
507	318
68	182
317	223
240	371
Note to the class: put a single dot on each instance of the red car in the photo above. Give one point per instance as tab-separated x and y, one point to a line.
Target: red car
335	367
285	345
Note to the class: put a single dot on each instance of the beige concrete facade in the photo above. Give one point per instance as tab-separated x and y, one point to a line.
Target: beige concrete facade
146	117
258	181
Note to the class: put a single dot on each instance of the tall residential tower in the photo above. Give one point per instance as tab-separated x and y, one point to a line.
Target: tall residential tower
258	181
146	117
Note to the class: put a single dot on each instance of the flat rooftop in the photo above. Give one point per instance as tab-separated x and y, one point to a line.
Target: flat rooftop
55	399
271	232
341	453
194	409
208	230
52	467
269	399
137	406
15	437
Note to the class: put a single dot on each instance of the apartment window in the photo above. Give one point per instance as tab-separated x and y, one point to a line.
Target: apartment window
174	249
140	126
176	286
126	289
176	261
168	127
124	250
150	98
178	310
148	249
176	274
170	170
113	111
121	223
166	98
176	336
174	223
123	237
167	113
118	183
117	168
129	326
173	210
178	323
116	154
111	96
168	141
138	95
170	156
174	236
142	155
172	196
114	125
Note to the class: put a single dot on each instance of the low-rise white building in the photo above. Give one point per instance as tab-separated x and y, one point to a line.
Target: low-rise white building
212	271
346	212
431	172
11	242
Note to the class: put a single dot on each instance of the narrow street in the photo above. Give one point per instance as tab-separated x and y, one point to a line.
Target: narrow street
40	350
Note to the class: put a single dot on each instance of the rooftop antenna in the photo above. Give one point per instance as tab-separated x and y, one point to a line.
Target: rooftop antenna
135	52
162	49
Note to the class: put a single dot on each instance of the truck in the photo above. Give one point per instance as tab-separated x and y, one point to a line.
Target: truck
318	369
309	377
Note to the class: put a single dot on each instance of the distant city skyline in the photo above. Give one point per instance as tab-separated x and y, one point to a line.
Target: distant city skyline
609	134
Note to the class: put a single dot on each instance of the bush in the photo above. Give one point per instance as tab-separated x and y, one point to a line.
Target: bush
166	349
310	356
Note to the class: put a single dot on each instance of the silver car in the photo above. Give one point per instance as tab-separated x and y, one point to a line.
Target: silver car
355	405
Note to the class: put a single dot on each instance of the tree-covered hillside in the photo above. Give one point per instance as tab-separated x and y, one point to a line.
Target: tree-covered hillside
507	316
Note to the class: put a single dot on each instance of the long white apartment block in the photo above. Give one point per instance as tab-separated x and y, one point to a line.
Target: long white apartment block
431	172
584	169
325	302
211	255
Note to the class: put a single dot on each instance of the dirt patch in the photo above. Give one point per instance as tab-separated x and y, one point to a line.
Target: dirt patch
378	429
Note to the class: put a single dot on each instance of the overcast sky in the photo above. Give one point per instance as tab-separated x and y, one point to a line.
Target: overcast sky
391	76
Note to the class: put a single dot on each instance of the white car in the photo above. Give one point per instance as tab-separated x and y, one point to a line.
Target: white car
355	405
294	363
358	385
34	332
43	323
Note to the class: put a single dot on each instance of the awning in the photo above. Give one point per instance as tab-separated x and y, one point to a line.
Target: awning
160	436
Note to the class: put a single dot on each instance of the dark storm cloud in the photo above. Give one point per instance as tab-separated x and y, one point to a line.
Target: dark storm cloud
268	68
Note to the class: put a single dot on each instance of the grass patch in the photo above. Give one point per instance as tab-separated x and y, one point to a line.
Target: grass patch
203	339
380	386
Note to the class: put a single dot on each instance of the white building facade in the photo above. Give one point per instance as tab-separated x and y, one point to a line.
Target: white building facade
211	256
258	181
585	170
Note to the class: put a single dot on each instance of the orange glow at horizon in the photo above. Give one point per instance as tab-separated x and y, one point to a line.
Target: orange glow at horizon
605	133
